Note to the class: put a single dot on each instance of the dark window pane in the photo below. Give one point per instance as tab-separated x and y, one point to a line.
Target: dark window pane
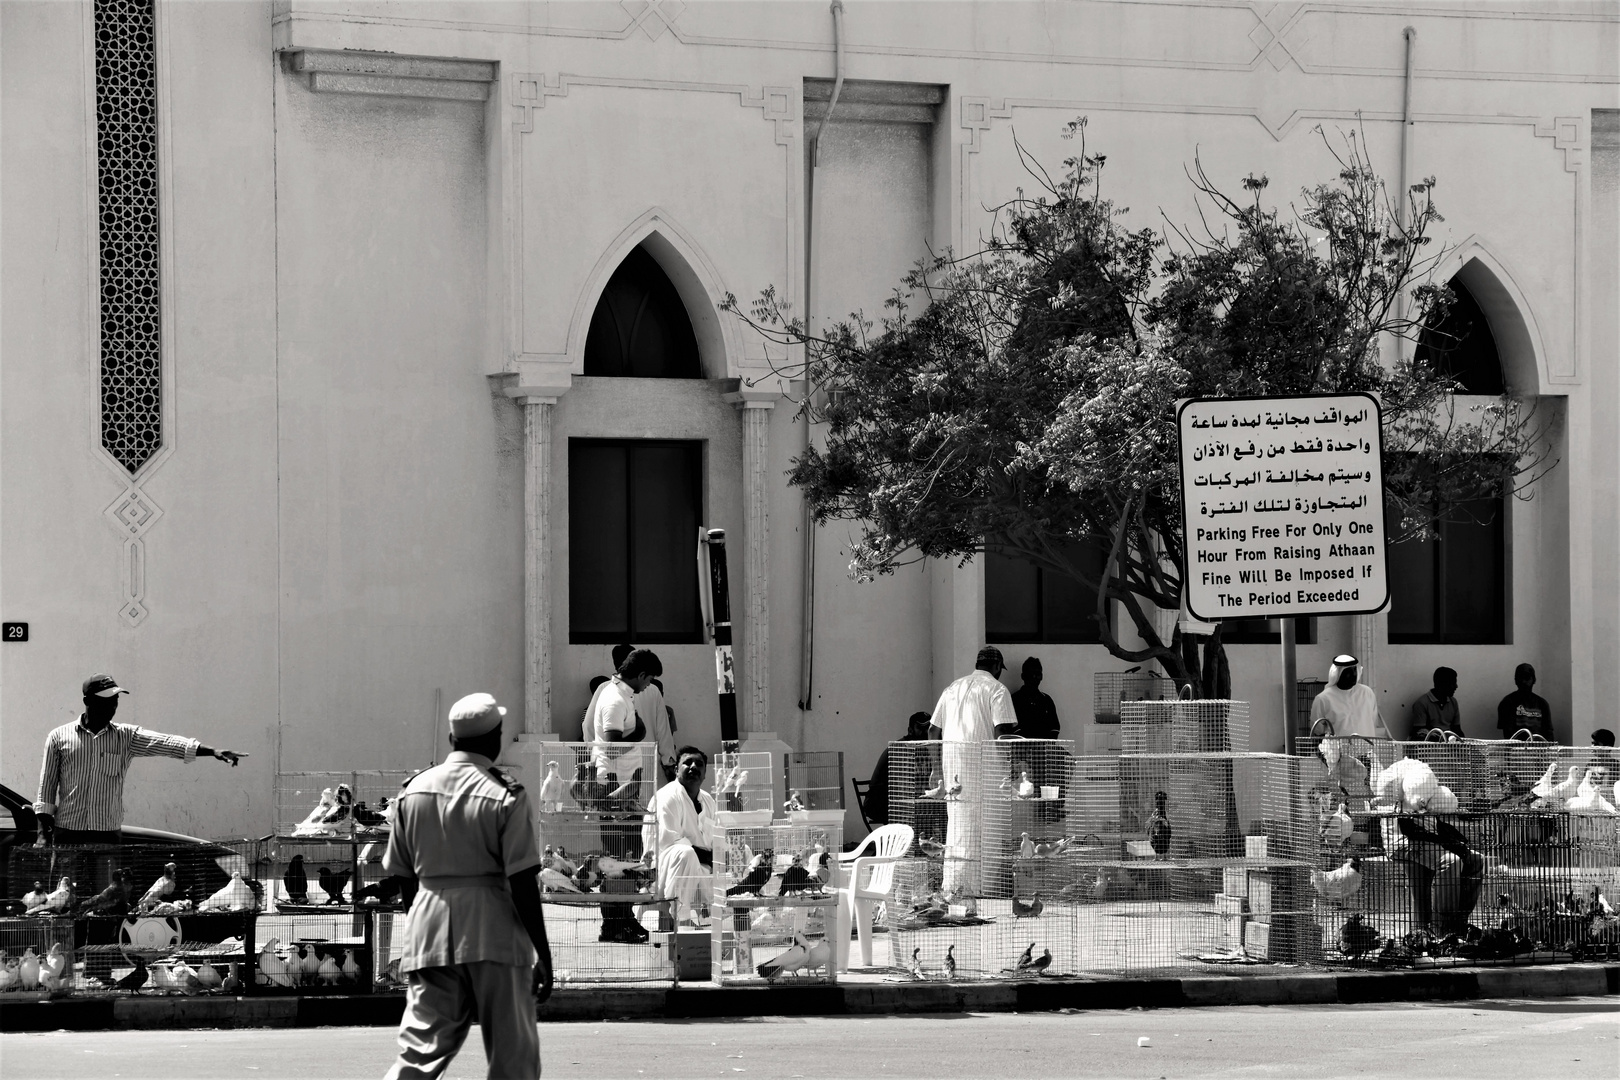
1461	345
1471	566
1011	598
598	538
640	327
665	480
1411	589
1068	606
1261	632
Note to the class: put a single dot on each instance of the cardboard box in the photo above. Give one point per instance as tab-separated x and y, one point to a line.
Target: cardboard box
1232	931
1231	905
1255	847
1260	892
1234	881
689	951
1257	940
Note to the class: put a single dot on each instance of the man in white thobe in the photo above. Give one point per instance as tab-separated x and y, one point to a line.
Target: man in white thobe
1350	706
972	711
681	828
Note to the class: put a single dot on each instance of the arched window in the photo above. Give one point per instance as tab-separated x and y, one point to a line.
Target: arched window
1461	345
640	328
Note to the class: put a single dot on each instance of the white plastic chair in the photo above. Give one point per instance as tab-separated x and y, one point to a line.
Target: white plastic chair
857	899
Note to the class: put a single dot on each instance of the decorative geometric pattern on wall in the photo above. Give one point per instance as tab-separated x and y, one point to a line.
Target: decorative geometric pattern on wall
126	158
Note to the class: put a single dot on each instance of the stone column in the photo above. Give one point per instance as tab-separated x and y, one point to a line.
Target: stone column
756	605
537	574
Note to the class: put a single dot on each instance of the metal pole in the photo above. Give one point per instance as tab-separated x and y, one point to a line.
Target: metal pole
1290	691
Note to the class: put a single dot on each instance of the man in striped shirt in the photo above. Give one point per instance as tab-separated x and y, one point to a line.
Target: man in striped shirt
81	784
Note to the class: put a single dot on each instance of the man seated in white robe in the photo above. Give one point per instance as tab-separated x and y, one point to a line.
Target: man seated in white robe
681	828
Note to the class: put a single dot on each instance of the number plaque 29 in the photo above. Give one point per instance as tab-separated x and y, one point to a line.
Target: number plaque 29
14	631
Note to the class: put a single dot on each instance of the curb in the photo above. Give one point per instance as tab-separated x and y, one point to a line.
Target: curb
850	999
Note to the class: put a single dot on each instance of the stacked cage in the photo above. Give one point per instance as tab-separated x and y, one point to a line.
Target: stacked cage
36	956
599	859
743	789
815	786
312	954
993	823
141	917
774	915
1112	689
330	836
1463	851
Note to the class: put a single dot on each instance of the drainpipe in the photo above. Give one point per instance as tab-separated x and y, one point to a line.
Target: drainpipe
1404	176
807	584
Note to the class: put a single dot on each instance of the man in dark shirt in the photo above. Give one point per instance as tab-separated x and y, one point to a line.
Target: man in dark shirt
1037	716
1436	711
1523	709
877	792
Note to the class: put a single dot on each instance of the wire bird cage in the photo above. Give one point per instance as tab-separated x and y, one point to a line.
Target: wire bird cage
346	804
36	956
1463	851
1305	694
310	873
311	954
1184	726
1111	689
815	786
774	913
743	788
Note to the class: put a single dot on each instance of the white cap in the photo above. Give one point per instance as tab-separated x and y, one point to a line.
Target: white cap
475	714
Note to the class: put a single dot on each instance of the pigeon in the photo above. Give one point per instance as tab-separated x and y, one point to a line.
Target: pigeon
733	790
936	786
183	978
8	974
916	964
163	888
1030	910
580	789
233	981
557	859
208	977
309	962
1026	787
955	789
794	802
551	790
1047	850
351	969
114	899
312	824
1356	938
162	977
235	896
369	818
136	978
1562	793
58	900
1041	962
587	877
950	961
385	891
557	881
55	960
28	971
796	878
1337	827
818	956
931	848
630	790
272	966
35	897
296	881
790	960
1158	826
1026	959
1588	798
1026	846
340	811
1543	787
329	972
1340	884
758	873
333	883
373	852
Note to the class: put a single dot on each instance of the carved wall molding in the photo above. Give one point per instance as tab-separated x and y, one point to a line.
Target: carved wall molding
343	71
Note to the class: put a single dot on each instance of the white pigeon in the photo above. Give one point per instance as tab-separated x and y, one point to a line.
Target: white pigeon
162	888
272	967
556	881
1337	827
162	977
738	779
59	899
311	825
1026	787
1026	846
235	896
34	897
329	972
936	786
1562	793
1617	793
788	961
209	976
56	959
1588	797
28	971
373	852
184	978
309	963
8	974
1338	884
351	969
1544	786
955	789
818	956
552	790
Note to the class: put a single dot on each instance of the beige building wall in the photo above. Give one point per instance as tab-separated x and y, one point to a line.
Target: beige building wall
364	264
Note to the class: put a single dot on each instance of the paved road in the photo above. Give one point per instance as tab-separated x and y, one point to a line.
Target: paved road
1567	1039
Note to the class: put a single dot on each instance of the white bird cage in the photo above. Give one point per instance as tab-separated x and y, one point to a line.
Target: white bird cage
743	788
770	899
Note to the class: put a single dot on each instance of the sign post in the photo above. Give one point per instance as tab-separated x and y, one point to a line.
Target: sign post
1283	511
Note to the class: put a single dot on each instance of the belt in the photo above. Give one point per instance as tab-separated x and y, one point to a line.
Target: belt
464	881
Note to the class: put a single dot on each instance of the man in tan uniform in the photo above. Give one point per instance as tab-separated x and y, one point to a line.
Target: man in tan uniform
475	939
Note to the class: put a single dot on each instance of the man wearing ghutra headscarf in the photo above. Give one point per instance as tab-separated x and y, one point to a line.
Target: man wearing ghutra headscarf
1349	705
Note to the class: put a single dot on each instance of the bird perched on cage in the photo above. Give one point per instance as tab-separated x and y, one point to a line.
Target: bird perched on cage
613	869
935	788
1340	884
208	977
557	881
54	963
916	968
1030	910
234	896
328	971
955	788
57	901
733	789
1024	960
183	977
552	789
137	977
9	973
1026	846
794	803
340	812
232	983
163	888
368	818
627	796
1543	787
309	962
115	899
1588	797
35	896
949	963
272	968
311	825
333	883
383	891
296	881
931	910
1337	827
28	970
557	859
818	957
931	848
580	789
790	960
1049	849
796	878
1026	786
1158	826
1561	793
350	967
755	877
1356	938
1039	965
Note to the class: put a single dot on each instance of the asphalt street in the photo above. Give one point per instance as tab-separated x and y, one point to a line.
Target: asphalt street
1565	1038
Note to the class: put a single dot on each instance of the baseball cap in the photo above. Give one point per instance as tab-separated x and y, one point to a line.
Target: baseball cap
99	685
475	714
